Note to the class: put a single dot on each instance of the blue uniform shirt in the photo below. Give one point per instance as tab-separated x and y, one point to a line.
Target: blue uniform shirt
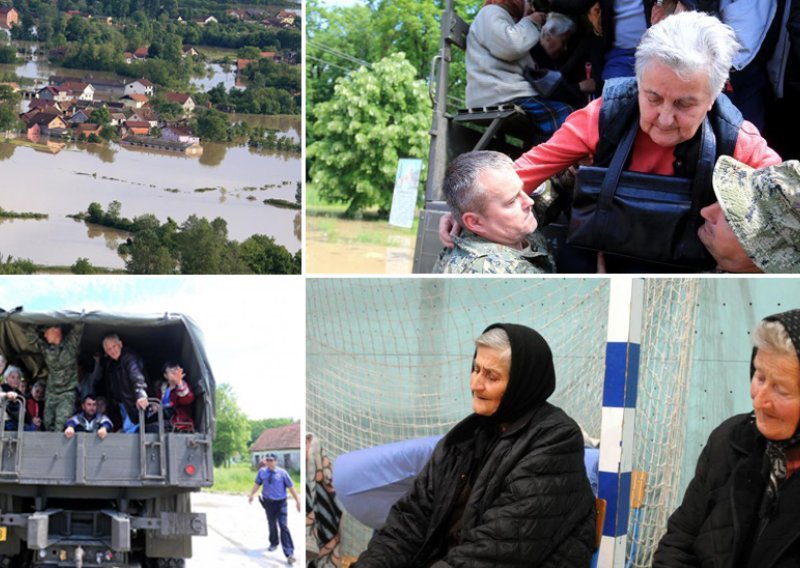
273	483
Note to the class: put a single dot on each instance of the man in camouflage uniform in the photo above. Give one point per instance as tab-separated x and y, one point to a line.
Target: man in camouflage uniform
60	353
755	225
485	196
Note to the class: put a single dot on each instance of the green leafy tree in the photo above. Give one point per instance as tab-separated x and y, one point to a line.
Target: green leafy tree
101	116
211	125
8	54
83	266
263	255
148	254
376	116
233	428
13	265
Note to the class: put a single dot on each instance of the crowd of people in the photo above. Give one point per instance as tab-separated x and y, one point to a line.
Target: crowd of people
661	155
99	394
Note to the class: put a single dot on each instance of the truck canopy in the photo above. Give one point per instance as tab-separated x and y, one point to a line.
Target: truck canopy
156	338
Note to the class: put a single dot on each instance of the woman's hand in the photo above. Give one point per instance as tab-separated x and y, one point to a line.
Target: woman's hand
448	228
539	18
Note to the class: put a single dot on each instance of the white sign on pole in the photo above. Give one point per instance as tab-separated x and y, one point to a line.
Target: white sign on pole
406	188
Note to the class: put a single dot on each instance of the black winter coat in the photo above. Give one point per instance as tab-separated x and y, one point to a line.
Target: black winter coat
715	525
126	381
530	504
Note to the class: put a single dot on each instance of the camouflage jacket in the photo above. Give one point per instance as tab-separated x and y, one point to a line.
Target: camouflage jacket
475	255
61	359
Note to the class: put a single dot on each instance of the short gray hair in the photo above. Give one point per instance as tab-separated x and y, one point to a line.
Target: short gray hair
13	369
461	187
558	25
773	336
497	340
688	43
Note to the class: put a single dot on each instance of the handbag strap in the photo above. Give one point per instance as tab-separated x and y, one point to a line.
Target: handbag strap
702	185
611	183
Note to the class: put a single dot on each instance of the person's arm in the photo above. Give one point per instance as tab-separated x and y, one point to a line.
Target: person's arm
295	496
753	150
502	37
184	395
73	339
543	512
135	374
396	544
676	547
254	490
576	139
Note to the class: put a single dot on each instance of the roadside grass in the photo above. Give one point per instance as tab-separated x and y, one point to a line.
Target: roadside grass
239	478
327	222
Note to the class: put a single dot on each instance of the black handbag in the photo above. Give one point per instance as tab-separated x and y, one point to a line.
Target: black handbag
648	217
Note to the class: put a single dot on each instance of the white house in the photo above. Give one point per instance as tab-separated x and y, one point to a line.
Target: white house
139	87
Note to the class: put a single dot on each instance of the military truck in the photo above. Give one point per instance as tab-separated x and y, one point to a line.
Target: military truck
121	501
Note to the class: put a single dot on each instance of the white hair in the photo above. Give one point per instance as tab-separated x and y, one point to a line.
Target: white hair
771	335
688	43
13	369
558	25
497	340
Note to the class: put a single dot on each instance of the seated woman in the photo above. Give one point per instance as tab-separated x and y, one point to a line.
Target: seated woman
741	508
498	46
507	485
12	379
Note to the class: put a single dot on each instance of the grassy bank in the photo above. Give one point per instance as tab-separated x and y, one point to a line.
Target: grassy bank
239	479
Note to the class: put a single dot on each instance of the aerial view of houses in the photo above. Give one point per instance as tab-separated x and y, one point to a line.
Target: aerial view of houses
144	137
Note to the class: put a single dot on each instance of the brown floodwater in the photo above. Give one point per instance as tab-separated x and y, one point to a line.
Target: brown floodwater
60	179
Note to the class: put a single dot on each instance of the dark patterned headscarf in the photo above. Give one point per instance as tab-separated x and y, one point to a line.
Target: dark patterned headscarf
775	454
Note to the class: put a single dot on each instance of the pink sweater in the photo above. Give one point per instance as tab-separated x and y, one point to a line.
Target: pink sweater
579	135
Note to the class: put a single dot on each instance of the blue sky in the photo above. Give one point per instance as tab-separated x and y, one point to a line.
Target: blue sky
254	327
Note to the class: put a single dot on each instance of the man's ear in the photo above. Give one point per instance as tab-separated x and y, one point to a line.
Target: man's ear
472	221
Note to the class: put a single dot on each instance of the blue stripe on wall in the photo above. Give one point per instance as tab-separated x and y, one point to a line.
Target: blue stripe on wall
616	490
614	393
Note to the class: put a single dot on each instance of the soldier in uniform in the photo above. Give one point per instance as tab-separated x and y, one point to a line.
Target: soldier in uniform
755	226
60	353
485	195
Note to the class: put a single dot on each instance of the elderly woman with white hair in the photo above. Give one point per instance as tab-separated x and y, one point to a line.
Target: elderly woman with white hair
741	508
659	135
12	381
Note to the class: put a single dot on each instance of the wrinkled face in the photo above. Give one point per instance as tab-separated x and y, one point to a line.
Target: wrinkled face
775	390
720	240
507	216
113	348
488	381
53	335
671	108
89	407
13	380
554	45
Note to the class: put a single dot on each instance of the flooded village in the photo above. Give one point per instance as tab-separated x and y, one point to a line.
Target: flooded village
155	154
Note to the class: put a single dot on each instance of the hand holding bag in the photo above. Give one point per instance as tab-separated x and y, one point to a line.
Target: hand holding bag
648	217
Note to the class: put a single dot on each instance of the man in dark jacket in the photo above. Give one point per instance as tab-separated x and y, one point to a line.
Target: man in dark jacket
125	381
507	485
741	507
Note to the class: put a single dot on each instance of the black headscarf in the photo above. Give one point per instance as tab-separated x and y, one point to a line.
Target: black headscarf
775	453
531	378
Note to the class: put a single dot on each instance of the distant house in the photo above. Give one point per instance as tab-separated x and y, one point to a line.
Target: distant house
134	100
51	93
48	123
138	128
139	87
117	118
87	129
179	134
79	90
183	99
128	55
141	53
206	20
8	17
14	86
189	51
283	441
80	116
286	17
145	115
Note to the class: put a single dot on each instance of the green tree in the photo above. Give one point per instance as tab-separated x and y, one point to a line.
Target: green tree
376	116
8	54
148	254
101	116
248	52
82	266
263	255
211	125
233	428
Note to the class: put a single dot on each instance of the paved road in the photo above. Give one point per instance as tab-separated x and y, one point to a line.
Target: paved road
237	534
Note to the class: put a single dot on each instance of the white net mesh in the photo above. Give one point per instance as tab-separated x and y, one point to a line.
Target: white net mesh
388	359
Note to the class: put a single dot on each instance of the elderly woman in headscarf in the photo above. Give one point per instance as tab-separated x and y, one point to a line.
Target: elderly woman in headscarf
671	114
507	485
743	506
